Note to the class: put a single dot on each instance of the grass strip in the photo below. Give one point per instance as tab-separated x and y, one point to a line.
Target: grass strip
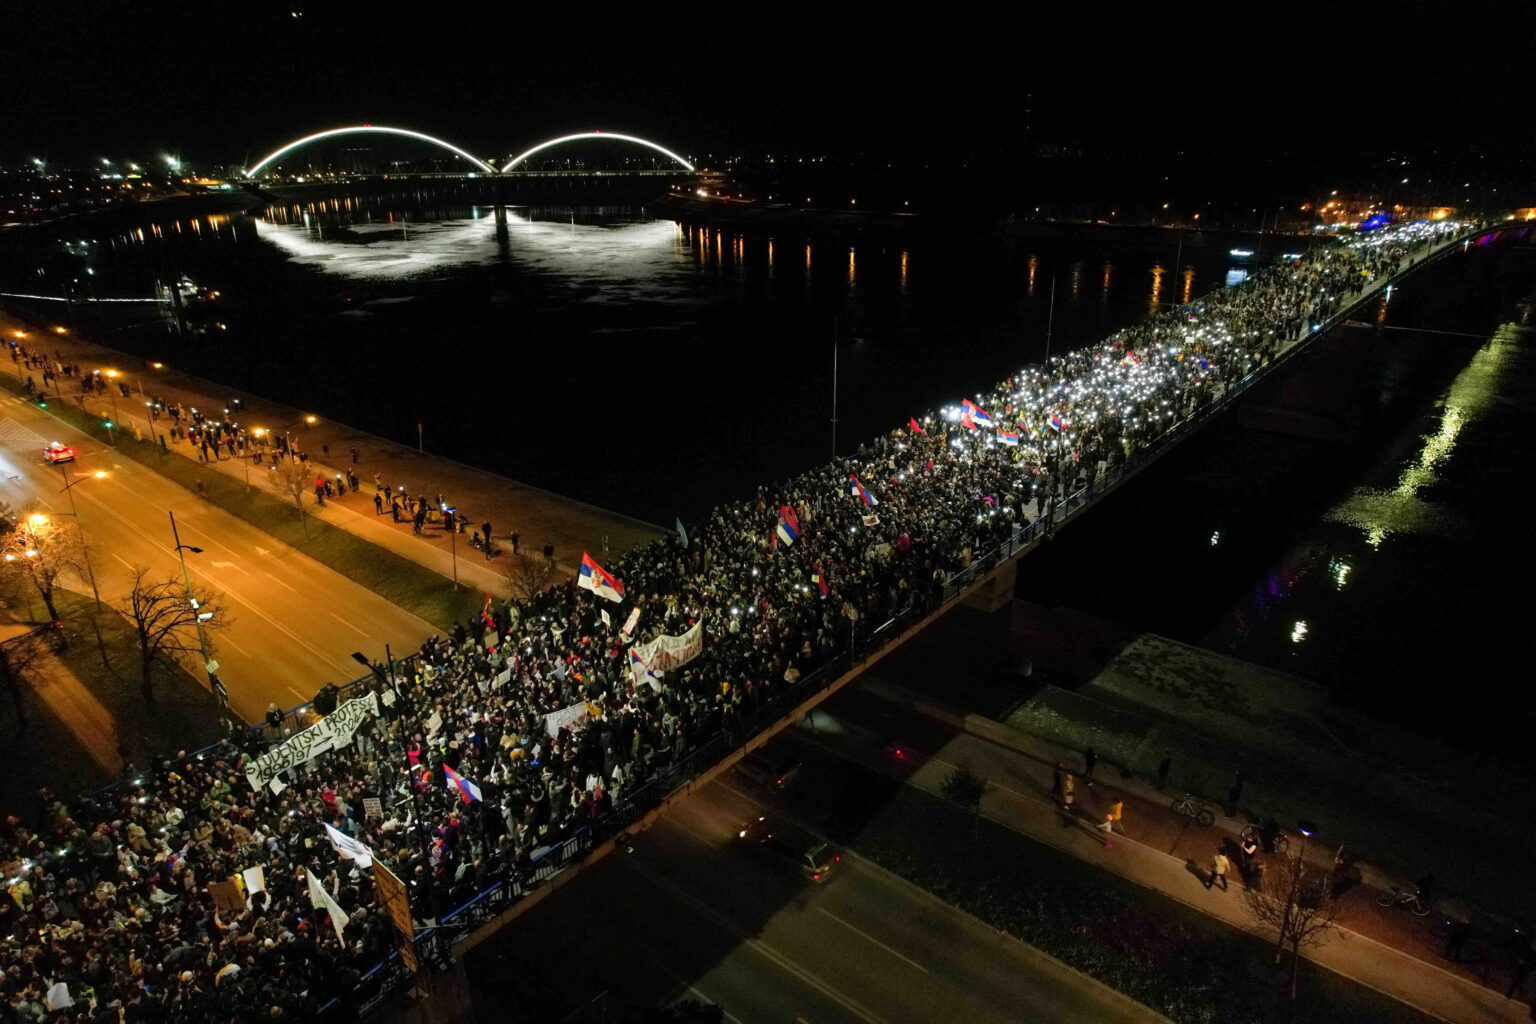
397	579
1190	967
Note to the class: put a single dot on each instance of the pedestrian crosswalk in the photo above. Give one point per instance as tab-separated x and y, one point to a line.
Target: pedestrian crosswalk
14	434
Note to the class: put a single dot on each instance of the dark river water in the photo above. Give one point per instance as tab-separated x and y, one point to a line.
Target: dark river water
657	368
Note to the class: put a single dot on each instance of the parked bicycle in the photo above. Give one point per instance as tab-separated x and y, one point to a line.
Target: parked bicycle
1400	897
1274	843
1187	806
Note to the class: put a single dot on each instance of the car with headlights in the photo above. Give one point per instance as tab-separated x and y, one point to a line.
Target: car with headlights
56	452
773	772
790	846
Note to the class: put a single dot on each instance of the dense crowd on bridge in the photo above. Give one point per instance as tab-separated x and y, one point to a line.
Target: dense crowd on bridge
109	905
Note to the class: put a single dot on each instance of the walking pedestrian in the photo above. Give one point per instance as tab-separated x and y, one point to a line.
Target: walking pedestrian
1219	867
549	554
1090	758
1234	794
1116	812
485	535
515	538
1107	826
1057	774
1456	940
378	503
1162	770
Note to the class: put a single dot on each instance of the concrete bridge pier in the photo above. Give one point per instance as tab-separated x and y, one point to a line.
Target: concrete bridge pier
502	241
996	589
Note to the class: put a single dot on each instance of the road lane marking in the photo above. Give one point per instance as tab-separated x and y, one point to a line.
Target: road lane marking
130	566
693	989
859	931
280	583
349	625
757	945
262	551
252	606
229	565
302	699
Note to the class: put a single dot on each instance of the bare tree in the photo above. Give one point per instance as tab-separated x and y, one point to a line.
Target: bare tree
1294	899
168	623
531	576
37	549
292	480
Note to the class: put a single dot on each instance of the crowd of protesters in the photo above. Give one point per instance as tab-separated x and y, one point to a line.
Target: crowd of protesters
110	916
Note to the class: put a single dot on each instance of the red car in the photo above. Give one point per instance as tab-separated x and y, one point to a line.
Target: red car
56	452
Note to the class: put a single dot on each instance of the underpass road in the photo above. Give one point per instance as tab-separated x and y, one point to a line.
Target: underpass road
685	912
296	622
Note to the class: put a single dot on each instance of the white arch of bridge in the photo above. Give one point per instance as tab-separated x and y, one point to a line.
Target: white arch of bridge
589	136
379	129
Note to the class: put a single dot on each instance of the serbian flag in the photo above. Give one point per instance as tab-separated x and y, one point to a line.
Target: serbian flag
485	613
966	421
978	414
1056	422
788	529
1007	438
595	579
1133	358
859	491
912	421
468	791
819	578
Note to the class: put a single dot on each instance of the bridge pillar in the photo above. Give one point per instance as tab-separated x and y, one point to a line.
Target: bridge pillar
996	590
439	998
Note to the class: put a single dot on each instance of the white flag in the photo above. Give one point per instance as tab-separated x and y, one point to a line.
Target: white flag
255	880
319	898
606	620
349	848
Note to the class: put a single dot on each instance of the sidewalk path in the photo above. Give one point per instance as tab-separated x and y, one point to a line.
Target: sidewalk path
1387	950
73	703
539	516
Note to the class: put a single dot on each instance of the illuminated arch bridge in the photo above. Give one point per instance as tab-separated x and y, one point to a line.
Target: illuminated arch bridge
479	164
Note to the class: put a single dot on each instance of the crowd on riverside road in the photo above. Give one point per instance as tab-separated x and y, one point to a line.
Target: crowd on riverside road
110	916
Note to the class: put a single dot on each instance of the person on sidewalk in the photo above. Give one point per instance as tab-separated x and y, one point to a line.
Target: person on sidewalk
1107	826
1116	812
485	533
378	503
1234	794
1162	770
549	554
1219	867
1250	850
1090	758
515	538
354	459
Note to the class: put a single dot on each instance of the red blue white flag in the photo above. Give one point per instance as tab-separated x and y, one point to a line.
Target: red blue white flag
593	577
1056	422
978	414
468	791
1007	438
860	491
788	529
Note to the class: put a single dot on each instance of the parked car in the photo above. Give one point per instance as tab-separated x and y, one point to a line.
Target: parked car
791	846
774	772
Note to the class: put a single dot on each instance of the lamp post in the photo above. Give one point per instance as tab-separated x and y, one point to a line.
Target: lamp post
209	664
834	383
453	547
1307	830
69	490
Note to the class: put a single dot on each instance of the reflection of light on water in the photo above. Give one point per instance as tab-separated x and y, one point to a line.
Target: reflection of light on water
1377	513
635	254
1298	632
1339	570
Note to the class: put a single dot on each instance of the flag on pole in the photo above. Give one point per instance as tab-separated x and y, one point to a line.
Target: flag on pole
642	672
1056	422
788	529
349	848
819	578
593	578
468	791
966	421
1007	438
912	420
485	612
977	413
682	534
322	900
861	492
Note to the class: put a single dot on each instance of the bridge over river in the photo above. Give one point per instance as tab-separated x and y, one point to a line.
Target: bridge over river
968	490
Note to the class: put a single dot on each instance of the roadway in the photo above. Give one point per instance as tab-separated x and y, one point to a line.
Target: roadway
295	622
684	913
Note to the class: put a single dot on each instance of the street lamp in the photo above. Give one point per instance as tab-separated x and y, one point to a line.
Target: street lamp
209	664
834	384
453	547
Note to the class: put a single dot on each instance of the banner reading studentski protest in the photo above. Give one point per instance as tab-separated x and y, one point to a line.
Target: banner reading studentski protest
667	652
332	732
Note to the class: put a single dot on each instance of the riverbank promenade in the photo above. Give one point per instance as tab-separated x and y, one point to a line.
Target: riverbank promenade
540	517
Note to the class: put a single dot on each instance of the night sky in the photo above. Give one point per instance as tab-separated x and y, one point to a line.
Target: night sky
217	82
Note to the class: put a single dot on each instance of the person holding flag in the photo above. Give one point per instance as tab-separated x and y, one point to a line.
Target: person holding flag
915	428
468	791
819	578
593	577
861	492
788	529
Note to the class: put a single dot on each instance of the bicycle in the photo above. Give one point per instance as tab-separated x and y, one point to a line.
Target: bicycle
1186	805
1279	844
1399	897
